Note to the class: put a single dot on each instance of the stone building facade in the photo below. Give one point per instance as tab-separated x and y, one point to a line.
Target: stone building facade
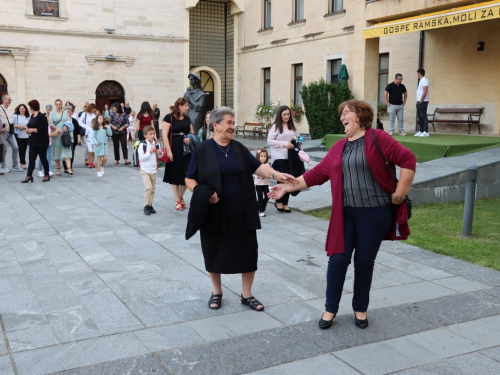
246	51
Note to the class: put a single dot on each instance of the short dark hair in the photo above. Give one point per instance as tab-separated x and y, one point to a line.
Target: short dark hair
398	75
421	71
34	105
118	107
363	110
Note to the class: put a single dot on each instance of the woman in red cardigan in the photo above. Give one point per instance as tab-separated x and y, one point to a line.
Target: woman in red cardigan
368	205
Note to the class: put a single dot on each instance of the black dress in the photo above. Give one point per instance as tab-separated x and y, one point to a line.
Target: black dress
175	172
235	251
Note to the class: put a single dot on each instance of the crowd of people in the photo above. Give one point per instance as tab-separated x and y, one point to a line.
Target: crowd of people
368	203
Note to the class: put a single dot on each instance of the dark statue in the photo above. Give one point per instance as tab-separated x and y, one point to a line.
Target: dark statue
196	98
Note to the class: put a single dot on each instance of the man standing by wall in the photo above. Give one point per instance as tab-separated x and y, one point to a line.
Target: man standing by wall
395	96
9	138
422	104
127	108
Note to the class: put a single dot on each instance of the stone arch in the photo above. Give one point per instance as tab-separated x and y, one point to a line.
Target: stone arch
11	81
217	83
129	94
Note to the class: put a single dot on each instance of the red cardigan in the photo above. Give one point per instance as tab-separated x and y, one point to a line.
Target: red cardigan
330	168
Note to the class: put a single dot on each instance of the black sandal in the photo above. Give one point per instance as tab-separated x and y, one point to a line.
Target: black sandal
252	303
215	299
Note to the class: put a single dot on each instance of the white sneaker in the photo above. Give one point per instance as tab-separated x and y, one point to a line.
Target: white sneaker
51	173
391	132
403	134
102	170
40	174
262	214
99	174
4	170
424	134
418	134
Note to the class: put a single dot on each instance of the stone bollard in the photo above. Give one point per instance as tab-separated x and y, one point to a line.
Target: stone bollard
470	195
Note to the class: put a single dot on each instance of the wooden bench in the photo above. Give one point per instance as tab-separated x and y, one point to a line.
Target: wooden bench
470	112
263	131
249	127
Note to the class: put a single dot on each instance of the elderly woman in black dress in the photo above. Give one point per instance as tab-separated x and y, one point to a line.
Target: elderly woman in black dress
228	234
175	128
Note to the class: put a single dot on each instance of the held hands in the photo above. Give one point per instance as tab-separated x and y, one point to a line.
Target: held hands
277	191
214	198
285	178
186	140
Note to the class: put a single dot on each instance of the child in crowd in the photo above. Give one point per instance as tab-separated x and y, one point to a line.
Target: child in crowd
130	129
148	152
261	183
89	135
100	133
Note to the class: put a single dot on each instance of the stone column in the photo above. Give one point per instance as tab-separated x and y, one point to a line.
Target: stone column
236	12
19	58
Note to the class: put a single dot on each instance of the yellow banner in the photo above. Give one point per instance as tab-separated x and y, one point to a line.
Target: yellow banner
458	16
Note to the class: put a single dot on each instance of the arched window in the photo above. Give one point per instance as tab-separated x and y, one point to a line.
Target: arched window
3	86
107	93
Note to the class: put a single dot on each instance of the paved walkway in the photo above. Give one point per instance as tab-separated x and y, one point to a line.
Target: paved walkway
90	285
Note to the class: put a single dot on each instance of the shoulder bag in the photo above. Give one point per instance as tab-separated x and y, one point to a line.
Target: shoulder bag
82	129
11	126
407	198
164	158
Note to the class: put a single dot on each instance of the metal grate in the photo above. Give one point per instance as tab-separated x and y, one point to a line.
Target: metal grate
212	43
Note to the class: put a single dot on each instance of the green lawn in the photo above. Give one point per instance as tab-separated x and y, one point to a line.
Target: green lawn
437	227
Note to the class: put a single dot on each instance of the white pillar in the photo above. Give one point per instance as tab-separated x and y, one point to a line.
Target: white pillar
19	58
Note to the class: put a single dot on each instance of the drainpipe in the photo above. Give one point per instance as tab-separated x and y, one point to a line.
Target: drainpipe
420	63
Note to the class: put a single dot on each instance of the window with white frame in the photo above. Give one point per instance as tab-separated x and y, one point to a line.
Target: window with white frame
267	24
299	10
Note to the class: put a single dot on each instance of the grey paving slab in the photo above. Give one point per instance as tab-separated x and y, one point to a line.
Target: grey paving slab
238	355
143	365
78	354
6	366
461	285
484	331
73	324
475	363
154	312
454	309
169	337
295	313
37	336
3	347
117	321
385	323
322	364
387	356
411	293
101	303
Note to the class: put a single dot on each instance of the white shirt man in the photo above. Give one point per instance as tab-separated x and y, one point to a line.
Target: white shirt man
8	136
422	103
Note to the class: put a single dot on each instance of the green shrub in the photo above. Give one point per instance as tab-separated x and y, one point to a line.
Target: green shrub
321	101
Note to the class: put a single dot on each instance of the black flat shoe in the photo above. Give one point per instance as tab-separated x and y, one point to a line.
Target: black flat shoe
288	211
325	324
215	299
361	323
146	210
152	210
279	209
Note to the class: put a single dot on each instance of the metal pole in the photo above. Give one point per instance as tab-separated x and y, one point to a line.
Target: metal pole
470	194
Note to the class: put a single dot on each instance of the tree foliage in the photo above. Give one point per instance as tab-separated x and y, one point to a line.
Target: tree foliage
321	101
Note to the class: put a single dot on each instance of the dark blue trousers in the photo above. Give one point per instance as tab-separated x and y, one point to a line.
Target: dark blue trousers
364	230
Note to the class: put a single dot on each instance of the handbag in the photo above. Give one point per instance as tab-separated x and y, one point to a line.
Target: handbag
304	157
11	126
66	139
407	198
164	158
82	129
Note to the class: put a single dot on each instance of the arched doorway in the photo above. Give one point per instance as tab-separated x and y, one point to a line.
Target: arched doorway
207	85
3	86
109	92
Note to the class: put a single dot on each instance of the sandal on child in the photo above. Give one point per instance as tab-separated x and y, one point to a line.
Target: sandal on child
178	206
183	203
252	303
215	299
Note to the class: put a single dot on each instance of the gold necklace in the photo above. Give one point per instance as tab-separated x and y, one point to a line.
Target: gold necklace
224	152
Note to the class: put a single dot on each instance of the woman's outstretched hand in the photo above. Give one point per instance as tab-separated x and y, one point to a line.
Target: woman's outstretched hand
286	178
277	191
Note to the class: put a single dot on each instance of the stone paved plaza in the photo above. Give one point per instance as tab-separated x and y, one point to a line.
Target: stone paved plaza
90	285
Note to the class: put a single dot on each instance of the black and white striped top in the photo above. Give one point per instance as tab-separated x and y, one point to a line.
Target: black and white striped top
360	187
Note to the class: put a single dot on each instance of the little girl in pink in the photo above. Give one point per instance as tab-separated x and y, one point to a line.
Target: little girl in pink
262	184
